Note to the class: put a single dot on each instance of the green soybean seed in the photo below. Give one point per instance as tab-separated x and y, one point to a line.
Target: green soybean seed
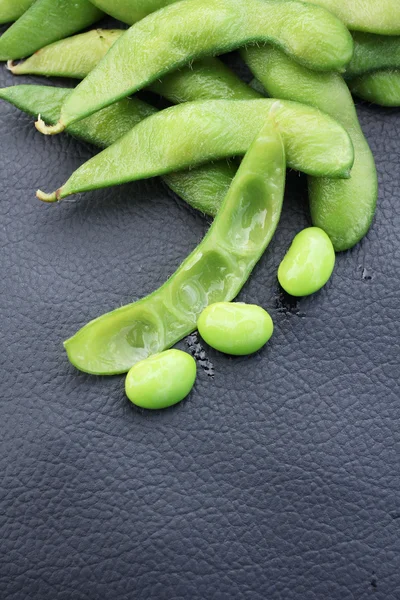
380	87
161	380
215	271
308	263
194	133
235	328
190	29
11	10
45	22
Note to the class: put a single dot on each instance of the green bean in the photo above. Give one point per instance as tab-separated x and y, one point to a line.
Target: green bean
215	271
11	10
373	53
375	16
203	188
77	56
194	133
343	208
189	29
380	87
44	22
130	11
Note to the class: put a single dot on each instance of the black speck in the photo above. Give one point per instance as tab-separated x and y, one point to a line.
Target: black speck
374	583
288	305
199	354
366	274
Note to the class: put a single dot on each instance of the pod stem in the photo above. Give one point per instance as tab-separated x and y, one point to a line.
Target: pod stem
11	66
49	129
53	197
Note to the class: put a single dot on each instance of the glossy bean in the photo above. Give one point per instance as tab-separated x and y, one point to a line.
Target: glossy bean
194	133
214	272
204	188
375	16
379	87
45	22
11	10
235	328
161	380
190	29
343	208
373	53
308	264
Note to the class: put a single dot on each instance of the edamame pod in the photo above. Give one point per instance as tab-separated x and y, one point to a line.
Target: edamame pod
77	56
373	53
380	87
131	11
11	10
214	272
203	188
376	16
343	208
44	22
197	132
189	29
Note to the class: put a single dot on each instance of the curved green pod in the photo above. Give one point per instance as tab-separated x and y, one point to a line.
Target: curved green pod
216	270
45	22
379	87
77	56
190	29
373	53
197	132
343	208
130	11
11	10
375	16
204	188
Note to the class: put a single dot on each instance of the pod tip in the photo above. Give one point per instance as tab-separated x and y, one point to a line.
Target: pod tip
53	197
11	66
49	129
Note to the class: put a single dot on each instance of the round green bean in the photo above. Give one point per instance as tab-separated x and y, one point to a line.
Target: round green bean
194	133
204	188
44	22
189	29
373	53
375	16
11	10
214	272
343	208
379	87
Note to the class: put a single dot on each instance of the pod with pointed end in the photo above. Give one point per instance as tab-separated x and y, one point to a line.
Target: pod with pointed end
214	272
190	29
197	132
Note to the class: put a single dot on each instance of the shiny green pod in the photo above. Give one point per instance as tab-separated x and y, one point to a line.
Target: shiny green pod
197	132
204	188
162	380
190	29
45	22
373	53
11	10
215	271
308	264
379	87
343	208
375	16
235	328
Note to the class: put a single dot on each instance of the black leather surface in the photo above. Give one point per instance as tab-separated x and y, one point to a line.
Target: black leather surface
279	477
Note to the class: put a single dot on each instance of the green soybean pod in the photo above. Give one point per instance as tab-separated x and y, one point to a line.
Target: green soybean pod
204	188
379	87
45	22
343	208
375	16
235	328
373	53
130	11
215	271
162	380
11	10
194	133
190	29
308	264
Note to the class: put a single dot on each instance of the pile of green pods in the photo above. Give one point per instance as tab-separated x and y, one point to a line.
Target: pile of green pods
307	58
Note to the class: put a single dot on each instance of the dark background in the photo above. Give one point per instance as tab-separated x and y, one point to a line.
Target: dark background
278	478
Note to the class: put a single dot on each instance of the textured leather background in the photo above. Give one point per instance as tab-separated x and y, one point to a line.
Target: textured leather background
278	479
